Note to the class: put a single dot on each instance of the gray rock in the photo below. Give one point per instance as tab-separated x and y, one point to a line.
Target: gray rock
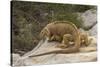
93	31
89	18
82	30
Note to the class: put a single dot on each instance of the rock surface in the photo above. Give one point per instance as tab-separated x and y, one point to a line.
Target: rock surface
89	18
15	57
93	31
54	58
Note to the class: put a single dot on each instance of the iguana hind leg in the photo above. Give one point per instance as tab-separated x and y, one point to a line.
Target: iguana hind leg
67	38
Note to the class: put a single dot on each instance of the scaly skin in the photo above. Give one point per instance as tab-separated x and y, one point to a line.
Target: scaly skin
65	29
61	28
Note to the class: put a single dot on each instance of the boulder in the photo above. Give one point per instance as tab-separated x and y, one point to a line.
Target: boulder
93	31
89	18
